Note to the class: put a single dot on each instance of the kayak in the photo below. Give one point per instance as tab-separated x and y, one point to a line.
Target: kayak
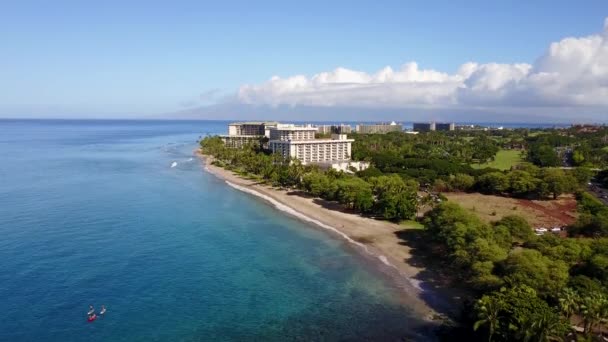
92	318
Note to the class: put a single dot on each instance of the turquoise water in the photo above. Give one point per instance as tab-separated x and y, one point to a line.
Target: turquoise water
91	212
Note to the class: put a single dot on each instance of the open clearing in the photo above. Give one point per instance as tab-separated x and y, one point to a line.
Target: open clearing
503	161
490	208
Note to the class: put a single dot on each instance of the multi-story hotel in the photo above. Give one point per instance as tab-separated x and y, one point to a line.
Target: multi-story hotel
441	126
245	133
423	126
334	129
433	126
299	142
249	128
379	128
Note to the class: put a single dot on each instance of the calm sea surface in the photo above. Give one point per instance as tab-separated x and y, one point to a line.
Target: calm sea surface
91	212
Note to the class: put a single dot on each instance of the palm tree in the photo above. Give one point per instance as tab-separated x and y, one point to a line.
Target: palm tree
488	310
594	309
548	327
569	302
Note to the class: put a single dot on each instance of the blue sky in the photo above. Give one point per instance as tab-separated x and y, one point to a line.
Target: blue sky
135	59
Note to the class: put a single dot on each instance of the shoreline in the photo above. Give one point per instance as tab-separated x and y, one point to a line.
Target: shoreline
374	240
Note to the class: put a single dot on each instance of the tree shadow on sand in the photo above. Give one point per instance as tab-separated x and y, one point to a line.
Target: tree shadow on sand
440	289
330	205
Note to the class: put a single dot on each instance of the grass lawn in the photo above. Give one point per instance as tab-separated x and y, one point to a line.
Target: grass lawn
503	161
411	224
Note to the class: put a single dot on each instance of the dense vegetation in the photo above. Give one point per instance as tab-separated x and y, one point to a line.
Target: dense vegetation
390	197
443	162
593	217
527	287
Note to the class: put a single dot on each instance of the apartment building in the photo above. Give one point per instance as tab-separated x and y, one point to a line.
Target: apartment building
245	133
379	128
441	126
423	126
299	142
249	128
433	126
334	129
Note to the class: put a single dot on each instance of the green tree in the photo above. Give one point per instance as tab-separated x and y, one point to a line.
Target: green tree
488	310
530	267
593	309
355	193
543	155
522	183
519	314
568	302
464	237
493	183
518	227
483	148
395	198
555	182
462	181
316	183
582	175
578	158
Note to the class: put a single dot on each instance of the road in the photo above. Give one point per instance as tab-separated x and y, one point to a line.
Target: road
599	192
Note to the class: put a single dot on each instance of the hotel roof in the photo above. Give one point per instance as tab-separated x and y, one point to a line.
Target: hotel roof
253	123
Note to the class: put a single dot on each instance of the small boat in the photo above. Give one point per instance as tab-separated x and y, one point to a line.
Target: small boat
92	318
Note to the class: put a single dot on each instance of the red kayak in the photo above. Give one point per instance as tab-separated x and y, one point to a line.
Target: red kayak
92	318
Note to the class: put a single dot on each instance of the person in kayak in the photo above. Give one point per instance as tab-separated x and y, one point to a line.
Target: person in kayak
103	310
91	314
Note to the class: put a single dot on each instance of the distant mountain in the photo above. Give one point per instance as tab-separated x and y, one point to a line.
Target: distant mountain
238	111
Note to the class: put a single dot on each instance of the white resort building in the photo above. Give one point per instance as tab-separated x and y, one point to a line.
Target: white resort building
299	142
244	133
379	128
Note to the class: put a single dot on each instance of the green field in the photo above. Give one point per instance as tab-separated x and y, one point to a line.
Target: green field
503	161
411	224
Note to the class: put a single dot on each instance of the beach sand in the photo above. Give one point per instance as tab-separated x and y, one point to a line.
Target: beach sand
375	240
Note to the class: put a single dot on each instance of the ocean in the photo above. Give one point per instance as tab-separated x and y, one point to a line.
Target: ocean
121	214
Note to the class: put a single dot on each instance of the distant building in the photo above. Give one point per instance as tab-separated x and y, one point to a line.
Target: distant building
586	128
245	133
299	142
334	129
341	129
433	126
249	128
423	126
379	128
324	129
346	166
440	126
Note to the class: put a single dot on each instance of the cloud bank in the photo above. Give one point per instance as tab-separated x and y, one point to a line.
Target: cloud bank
572	73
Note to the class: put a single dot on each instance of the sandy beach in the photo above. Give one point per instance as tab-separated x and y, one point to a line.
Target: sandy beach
375	240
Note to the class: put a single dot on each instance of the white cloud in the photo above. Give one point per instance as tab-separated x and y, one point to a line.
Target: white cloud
573	72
